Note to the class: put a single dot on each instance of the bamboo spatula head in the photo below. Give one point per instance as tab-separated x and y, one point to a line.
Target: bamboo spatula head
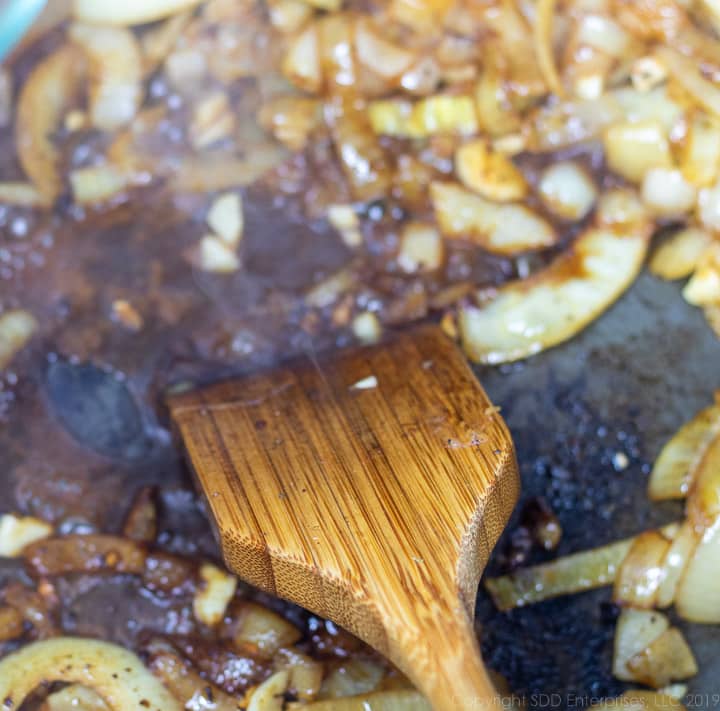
369	488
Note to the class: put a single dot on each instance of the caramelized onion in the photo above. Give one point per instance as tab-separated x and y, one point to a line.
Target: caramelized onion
47	94
116	674
128	12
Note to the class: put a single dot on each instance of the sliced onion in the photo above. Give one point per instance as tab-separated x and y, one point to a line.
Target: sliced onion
45	98
571	574
306	673
289	15
128	12
635	631
544	49
16	532
351	678
259	630
667	193
219	171
709	207
528	317
269	696
291	119
698	594
22	194
116	674
666	659
676	464
159	42
489	173
700	162
642	572
97	183
632	149
657	105
74	698
16	329
676	560
225	218
505	229
214	594
703	506
603	33
421	248
302	61
688	75
116	72
378	54
439	114
185	684
679	255
567	190
703	289
400	700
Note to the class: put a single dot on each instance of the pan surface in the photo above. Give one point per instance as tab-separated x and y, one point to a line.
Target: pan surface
624	386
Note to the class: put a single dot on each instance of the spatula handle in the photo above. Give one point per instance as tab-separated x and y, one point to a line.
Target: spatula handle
443	660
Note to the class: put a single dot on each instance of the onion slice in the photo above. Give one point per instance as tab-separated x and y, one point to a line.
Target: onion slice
642	571
544	45
698	594
530	316
703	508
116	71
499	228
635	631
115	673
46	96
128	12
666	659
674	468
686	72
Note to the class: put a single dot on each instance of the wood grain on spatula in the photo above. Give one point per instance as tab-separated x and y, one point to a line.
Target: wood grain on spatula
369	488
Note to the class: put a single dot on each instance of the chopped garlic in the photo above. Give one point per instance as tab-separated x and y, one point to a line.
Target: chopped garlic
216	591
16	532
225	218
214	255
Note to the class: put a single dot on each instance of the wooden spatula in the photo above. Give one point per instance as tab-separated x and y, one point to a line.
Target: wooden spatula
369	488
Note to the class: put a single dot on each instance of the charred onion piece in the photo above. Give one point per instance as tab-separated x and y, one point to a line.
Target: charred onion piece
116	674
48	93
84	554
675	466
129	12
116	70
551	307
